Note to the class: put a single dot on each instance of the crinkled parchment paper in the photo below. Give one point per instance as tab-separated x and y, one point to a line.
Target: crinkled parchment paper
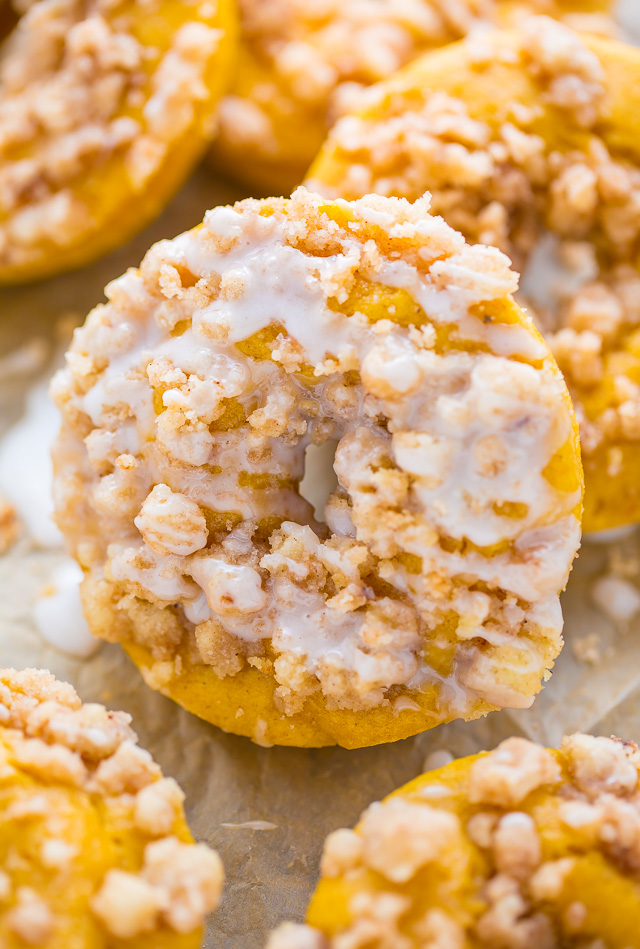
228	780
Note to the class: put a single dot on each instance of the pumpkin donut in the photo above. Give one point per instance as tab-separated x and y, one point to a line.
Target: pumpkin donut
520	848
530	140
304	63
428	589
105	107
95	852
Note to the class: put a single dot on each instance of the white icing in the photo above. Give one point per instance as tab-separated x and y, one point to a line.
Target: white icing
25	467
197	610
58	614
171	523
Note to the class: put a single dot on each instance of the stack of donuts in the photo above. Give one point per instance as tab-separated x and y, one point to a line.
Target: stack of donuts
419	155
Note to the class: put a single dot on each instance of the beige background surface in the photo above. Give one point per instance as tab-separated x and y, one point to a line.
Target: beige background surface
270	873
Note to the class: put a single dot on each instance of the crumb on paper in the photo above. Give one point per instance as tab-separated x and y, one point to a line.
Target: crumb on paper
9	525
249	825
617	598
587	649
25	360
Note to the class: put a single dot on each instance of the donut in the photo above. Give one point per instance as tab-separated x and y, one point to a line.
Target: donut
105	107
302	64
534	149
95	852
520	848
426	587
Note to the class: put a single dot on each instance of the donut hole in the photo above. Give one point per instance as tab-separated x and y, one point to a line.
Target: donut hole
319	480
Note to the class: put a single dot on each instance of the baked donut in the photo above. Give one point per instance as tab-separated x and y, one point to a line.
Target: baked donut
531	141
427	589
95	852
303	63
105	107
521	848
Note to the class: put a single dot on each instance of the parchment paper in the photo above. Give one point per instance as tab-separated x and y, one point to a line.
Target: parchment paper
228	780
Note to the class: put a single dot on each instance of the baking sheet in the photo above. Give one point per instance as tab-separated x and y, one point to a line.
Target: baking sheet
299	795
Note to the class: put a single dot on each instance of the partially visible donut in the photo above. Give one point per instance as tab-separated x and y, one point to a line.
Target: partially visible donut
518	136
430	589
303	63
105	107
521	848
95	852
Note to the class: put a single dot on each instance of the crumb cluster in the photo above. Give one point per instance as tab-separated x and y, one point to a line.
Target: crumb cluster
510	179
304	65
504	855
189	400
84	94
60	761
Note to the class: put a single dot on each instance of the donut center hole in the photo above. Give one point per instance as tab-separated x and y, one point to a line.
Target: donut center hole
320	480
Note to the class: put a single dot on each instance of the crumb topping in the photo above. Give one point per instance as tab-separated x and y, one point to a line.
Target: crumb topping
569	199
51	743
189	401
305	65
82	91
523	844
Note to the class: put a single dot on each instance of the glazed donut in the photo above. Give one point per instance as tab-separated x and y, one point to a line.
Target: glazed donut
95	852
303	63
105	107
532	140
521	848
428	588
